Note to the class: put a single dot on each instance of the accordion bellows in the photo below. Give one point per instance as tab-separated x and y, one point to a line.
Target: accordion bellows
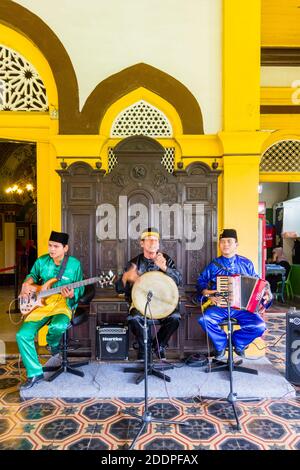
243	292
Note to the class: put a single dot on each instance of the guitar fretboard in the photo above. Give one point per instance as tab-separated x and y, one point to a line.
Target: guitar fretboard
57	290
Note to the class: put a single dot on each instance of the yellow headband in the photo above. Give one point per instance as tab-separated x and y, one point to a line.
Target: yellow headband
149	234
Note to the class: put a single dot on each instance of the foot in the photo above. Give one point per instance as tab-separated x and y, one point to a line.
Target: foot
32	381
160	352
239	352
53	350
140	355
220	355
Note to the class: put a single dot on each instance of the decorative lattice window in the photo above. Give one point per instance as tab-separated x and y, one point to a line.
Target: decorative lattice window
168	160
21	87
283	156
112	159
141	118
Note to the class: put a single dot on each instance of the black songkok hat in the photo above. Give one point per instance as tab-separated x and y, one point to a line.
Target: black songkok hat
59	237
228	233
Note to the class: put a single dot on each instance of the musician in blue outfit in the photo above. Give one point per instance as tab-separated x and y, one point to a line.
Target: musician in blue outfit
251	324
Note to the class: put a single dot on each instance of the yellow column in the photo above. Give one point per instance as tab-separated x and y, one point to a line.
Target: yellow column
241	65
48	195
240	201
240	211
48	204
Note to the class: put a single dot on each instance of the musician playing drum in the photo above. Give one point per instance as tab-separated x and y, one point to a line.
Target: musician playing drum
150	260
57	311
251	324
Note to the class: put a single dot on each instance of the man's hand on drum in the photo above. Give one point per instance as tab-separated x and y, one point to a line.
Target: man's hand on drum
131	275
161	261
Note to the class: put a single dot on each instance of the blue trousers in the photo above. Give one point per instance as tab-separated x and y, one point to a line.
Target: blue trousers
252	326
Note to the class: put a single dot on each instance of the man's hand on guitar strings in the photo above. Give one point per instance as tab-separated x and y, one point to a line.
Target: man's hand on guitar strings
67	293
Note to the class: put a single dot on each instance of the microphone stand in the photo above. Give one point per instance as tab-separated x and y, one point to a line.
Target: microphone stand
232	396
147	417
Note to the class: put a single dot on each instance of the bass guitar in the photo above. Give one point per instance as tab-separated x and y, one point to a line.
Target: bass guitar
27	303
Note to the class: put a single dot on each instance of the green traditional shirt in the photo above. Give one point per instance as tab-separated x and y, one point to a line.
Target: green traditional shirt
44	269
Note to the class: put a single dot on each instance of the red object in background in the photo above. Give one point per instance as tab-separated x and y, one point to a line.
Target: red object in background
262	248
270	236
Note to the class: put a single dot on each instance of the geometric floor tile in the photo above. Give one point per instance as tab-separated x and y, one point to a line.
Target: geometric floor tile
59	429
236	443
125	428
286	410
36	411
99	411
8	382
88	444
223	410
163	410
163	444
102	424
16	443
4	425
266	429
199	429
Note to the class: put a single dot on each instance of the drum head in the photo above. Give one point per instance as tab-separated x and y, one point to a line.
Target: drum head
165	294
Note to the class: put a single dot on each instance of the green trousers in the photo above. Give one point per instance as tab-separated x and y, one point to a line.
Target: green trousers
25	339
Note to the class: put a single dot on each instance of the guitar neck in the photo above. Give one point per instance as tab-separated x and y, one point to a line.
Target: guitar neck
57	290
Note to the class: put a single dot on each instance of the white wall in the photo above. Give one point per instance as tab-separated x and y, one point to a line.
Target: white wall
279	76
273	192
179	37
294	190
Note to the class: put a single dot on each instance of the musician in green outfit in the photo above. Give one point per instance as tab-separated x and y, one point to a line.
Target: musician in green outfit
57	309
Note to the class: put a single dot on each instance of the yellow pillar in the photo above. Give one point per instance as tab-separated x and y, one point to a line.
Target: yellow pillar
48	195
241	65
241	120
240	201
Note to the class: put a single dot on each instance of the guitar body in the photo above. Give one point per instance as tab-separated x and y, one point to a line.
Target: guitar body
28	303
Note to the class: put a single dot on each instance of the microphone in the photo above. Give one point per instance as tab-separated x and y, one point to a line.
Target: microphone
149	295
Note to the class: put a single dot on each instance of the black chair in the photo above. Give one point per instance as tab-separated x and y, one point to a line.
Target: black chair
153	369
218	365
80	316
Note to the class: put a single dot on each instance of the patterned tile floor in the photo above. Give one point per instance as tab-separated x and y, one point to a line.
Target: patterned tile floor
86	423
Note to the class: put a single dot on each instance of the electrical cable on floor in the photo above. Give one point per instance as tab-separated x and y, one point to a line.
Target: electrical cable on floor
9	314
269	345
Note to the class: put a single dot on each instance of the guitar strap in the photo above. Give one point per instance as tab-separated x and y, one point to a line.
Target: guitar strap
62	268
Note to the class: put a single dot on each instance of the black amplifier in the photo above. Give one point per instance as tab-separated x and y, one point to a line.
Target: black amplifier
112	342
293	346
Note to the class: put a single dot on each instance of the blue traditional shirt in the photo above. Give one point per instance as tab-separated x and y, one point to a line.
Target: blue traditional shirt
228	266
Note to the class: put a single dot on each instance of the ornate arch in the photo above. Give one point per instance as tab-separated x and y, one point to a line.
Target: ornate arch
27	23
143	75
71	121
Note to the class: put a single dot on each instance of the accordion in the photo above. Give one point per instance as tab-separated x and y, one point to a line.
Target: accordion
243	292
